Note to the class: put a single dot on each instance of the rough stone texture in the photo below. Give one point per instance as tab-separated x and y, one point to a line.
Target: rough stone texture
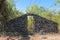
43	24
19	25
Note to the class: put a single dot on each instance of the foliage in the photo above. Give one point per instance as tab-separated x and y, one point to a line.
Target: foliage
8	11
54	16
30	23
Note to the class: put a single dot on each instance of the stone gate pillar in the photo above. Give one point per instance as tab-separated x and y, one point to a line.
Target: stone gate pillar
18	25
43	24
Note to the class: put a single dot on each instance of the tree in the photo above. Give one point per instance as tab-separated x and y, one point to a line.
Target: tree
35	9
8	11
57	3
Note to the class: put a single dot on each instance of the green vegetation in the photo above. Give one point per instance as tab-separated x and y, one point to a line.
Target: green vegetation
30	23
8	11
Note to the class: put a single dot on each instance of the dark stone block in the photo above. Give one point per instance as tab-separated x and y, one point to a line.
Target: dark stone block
45	24
18	25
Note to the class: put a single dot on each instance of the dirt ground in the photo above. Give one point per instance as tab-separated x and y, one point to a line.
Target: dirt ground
35	37
46	37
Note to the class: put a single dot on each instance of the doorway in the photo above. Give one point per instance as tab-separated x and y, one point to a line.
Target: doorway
30	23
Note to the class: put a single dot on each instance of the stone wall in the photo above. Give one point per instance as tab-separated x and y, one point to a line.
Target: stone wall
45	25
18	26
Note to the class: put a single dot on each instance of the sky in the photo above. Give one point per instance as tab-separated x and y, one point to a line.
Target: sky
21	5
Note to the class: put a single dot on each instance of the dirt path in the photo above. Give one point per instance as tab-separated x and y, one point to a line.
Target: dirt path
38	37
46	37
